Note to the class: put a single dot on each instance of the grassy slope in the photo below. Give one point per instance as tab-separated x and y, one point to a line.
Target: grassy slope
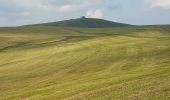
132	63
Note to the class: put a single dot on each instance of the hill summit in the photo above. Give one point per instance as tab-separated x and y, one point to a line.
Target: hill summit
84	22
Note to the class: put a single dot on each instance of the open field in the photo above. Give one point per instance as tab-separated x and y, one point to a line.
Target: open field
49	63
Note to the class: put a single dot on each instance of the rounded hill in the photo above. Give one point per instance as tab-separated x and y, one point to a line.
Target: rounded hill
86	23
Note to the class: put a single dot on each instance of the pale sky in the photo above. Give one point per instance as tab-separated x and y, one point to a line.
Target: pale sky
136	12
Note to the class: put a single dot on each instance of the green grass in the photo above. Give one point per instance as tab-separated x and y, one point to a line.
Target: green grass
49	63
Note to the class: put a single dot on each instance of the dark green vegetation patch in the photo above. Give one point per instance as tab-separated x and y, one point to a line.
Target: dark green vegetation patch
85	23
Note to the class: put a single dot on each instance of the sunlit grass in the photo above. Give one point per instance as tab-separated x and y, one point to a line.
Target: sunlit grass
124	66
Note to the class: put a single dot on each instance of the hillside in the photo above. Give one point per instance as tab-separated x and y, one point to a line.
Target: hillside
85	23
60	63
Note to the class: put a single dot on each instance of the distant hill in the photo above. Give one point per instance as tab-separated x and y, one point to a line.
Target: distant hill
85	23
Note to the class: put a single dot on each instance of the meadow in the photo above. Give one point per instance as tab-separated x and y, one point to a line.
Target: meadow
55	63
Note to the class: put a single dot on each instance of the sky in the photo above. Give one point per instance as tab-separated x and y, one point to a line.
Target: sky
136	12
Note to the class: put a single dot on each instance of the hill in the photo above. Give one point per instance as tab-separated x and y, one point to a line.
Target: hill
56	63
85	23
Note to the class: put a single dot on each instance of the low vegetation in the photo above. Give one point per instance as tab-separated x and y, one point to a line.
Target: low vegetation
54	63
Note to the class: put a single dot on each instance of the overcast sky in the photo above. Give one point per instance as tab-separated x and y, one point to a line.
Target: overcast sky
137	12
